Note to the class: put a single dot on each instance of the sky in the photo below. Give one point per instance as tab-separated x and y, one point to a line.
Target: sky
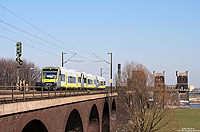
163	35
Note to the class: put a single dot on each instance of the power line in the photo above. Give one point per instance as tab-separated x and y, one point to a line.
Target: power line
33	35
30	46
101	58
47	35
45	51
39	38
24	37
78	61
42	30
70	57
88	60
8	38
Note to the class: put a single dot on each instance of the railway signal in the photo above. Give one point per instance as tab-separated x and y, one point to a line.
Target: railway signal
18	59
19	49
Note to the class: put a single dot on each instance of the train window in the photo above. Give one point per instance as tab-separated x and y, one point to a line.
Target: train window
50	73
63	77
104	83
101	83
71	79
90	81
74	79
79	79
95	81
85	80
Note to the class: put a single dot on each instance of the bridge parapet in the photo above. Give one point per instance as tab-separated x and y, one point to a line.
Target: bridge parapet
10	94
12	108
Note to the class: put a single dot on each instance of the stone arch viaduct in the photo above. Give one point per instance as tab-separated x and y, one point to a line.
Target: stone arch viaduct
90	113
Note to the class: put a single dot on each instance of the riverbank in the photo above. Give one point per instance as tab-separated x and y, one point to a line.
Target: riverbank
185	120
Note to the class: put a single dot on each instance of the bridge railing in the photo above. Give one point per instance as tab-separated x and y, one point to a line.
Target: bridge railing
11	94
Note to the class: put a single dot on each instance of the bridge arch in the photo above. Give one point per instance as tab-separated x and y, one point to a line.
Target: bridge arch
113	115
113	106
94	124
35	126
106	118
113	112
74	122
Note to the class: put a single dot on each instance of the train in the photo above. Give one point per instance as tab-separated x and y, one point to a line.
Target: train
60	77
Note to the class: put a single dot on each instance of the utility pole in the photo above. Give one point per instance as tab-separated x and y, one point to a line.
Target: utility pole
63	59
31	69
18	75
110	102
119	75
19	61
101	72
68	59
110	71
110	67
119	71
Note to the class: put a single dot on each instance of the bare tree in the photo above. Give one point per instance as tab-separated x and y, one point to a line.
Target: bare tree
139	108
8	72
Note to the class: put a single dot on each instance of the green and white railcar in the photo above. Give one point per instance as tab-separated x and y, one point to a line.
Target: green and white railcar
59	77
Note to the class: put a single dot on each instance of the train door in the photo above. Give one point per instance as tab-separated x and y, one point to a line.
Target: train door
96	82
59	79
82	80
63	81
77	81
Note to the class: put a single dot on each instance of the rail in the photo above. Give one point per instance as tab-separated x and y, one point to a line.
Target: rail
10	94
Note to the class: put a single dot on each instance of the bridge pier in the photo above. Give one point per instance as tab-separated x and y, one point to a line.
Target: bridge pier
94	123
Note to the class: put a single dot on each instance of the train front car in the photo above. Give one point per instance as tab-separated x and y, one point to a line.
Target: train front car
102	83
51	77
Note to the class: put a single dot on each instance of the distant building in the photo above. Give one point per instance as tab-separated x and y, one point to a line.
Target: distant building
182	86
178	94
182	80
159	87
170	87
159	80
191	88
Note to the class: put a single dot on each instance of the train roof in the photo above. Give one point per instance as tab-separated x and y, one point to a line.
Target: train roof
71	71
91	76
101	78
50	67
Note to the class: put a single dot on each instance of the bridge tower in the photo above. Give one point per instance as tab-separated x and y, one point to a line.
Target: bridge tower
159	80
159	86
182	87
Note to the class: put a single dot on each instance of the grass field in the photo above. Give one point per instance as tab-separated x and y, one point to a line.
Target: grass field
184	120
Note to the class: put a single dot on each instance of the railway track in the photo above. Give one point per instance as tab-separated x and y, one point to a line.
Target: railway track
11	95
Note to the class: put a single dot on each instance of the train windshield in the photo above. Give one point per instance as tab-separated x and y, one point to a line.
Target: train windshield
50	73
